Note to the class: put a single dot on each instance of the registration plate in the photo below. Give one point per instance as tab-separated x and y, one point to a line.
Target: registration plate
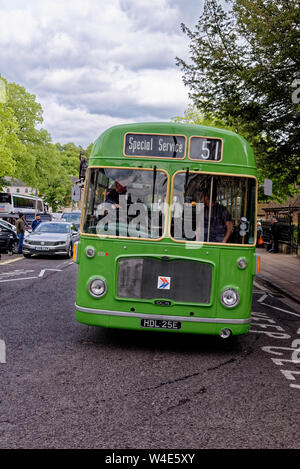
160	324
41	248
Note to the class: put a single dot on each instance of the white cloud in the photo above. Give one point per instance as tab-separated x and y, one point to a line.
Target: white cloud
96	63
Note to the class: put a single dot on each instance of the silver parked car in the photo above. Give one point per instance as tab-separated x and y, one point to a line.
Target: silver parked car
51	238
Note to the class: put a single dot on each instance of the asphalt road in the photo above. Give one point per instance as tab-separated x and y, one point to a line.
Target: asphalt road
67	385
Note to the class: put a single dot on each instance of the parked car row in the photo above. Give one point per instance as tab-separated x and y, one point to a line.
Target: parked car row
49	237
8	238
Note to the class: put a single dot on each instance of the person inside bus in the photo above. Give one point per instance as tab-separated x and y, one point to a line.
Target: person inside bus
220	226
20	227
36	222
114	194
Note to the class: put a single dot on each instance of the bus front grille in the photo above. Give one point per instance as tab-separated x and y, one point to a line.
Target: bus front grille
175	280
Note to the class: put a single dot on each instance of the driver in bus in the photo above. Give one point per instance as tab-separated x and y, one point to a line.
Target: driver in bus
220	226
114	194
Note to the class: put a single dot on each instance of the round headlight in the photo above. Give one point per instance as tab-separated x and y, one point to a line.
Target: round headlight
97	287
229	298
242	263
90	251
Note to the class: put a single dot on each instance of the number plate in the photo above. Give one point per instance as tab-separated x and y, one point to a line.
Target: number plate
41	248
160	324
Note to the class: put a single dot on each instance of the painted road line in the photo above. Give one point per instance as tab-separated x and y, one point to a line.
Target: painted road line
262	298
2	351
40	275
16	279
14	273
44	270
280	309
11	260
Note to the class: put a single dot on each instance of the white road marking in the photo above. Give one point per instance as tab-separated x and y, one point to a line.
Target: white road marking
41	274
16	279
44	270
280	309
2	351
262	298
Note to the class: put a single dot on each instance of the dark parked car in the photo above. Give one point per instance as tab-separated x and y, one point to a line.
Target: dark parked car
8	239
9	217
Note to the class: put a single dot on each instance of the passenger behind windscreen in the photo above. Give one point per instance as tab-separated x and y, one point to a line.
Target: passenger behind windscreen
219	228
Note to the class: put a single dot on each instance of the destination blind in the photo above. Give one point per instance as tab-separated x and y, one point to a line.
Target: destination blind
207	149
155	146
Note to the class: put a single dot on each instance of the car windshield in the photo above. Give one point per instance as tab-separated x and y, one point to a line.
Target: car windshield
52	228
71	217
7	224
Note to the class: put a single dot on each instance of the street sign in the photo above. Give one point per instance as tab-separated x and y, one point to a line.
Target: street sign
76	193
268	186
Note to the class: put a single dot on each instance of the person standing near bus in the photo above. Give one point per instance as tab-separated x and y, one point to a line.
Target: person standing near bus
36	222
20	227
275	235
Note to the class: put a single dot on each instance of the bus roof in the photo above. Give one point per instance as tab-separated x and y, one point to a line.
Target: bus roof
236	153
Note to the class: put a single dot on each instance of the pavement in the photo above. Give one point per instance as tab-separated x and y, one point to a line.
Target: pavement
281	272
278	271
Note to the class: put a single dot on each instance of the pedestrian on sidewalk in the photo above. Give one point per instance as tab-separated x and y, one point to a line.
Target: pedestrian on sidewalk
20	227
275	235
36	222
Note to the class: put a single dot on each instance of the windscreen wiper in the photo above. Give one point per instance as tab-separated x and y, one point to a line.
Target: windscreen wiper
153	182
187	175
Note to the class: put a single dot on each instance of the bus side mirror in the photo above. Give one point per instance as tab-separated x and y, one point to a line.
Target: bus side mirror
268	187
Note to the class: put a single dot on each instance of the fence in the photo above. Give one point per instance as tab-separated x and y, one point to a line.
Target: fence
288	236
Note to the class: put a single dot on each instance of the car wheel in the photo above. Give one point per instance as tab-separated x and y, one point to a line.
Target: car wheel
14	248
70	251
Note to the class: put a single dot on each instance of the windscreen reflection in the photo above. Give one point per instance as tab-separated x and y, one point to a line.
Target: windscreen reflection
126	203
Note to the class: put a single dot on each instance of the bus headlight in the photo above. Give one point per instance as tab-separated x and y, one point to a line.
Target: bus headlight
90	251
97	287
242	263
229	298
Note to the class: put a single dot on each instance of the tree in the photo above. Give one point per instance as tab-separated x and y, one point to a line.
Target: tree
193	116
27	153
9	141
55	182
70	157
243	65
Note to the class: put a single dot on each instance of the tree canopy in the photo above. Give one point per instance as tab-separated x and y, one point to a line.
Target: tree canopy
27	152
243	69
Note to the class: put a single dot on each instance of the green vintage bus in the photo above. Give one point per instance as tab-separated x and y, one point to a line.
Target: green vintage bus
168	230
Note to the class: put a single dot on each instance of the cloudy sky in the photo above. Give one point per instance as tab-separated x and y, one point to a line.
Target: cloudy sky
97	63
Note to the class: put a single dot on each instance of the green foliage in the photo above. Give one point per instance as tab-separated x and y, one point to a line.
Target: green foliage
243	65
27	153
193	116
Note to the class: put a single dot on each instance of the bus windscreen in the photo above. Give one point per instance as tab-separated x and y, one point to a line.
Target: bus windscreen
126	203
213	208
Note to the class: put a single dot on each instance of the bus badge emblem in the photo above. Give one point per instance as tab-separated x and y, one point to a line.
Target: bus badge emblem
164	283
